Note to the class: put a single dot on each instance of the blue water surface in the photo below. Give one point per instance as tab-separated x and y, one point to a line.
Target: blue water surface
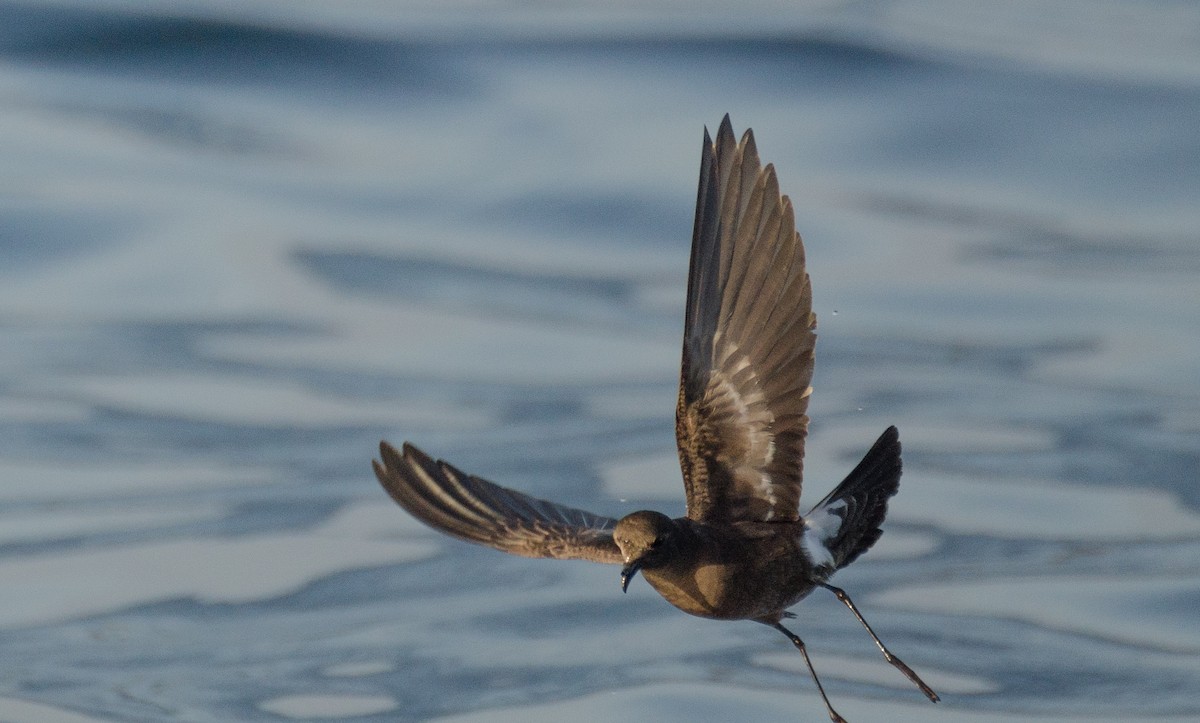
241	243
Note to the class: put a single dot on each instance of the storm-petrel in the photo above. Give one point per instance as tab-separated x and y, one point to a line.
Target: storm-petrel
743	552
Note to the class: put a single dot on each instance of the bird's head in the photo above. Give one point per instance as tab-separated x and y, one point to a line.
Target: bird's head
646	539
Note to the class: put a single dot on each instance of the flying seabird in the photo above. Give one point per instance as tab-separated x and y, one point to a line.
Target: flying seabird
743	551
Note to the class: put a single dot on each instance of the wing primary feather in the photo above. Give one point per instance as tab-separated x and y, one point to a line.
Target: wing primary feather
442	486
419	487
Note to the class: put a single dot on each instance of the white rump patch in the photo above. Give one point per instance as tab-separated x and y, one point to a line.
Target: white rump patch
821	526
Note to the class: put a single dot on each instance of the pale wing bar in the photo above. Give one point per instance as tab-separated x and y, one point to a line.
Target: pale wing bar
474	509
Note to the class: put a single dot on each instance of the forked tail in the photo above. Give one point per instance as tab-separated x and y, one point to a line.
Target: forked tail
846	523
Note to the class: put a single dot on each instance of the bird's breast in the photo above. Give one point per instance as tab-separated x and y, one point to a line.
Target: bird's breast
708	591
747	585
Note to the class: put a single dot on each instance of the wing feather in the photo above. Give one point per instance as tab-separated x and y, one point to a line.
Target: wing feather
474	509
749	337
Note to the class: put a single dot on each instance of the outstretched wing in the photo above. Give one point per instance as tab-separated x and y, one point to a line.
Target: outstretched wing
475	510
741	419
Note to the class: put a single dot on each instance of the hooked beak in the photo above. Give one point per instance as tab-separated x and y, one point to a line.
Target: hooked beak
628	572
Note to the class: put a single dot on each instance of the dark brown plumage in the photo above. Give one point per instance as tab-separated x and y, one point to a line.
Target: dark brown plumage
743	552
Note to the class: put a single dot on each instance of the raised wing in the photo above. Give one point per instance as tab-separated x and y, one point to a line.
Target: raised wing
741	419
475	510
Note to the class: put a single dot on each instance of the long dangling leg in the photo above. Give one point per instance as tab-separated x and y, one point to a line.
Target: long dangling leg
833	714
887	654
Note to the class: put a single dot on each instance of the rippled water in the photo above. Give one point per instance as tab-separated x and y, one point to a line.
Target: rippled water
241	243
